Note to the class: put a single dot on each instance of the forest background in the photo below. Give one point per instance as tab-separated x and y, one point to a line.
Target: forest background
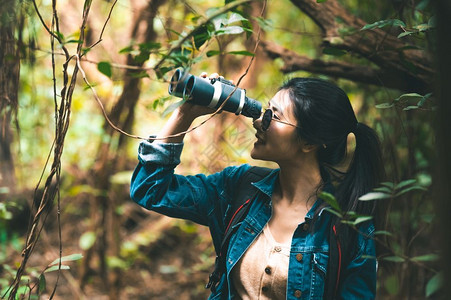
82	82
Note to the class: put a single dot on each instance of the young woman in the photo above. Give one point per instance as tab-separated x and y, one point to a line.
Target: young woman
283	247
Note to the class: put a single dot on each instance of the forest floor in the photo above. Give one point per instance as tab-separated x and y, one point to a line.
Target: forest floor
156	257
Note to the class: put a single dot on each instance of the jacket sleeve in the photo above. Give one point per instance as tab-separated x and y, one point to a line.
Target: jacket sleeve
359	280
199	198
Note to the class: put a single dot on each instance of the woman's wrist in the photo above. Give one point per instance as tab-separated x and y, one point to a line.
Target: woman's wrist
184	114
179	122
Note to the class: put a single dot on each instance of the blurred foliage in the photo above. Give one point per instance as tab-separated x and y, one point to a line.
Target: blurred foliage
152	247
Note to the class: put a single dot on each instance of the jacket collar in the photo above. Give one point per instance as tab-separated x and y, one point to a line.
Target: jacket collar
266	186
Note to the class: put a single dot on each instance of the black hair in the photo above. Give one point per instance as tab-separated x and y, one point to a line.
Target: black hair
325	118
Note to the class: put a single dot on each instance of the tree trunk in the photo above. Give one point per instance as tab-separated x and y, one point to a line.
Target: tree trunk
110	160
443	169
9	85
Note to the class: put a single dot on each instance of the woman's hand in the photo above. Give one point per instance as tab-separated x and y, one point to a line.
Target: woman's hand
183	116
192	111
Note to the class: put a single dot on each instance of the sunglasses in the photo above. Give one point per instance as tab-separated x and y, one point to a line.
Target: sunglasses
268	116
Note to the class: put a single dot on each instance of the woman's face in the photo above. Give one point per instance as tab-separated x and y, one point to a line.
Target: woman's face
280	141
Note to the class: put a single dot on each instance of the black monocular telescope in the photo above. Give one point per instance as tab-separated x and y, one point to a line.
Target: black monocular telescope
213	93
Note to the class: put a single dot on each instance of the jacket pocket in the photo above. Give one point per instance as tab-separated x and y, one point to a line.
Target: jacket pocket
319	273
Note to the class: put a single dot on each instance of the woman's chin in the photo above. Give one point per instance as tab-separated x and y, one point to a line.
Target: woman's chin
258	152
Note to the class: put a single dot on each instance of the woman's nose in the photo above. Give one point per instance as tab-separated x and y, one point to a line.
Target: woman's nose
257	123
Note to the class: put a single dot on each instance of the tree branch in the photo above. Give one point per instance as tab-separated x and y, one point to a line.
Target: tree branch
358	73
410	68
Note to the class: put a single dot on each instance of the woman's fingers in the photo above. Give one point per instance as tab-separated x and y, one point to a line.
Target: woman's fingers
204	75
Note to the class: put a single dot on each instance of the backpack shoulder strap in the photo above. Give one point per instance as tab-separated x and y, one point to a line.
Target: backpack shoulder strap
245	189
340	238
246	192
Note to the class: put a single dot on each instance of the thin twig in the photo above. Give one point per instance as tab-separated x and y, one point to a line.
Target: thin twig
104	26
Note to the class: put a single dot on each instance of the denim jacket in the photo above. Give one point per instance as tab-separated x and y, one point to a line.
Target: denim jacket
206	199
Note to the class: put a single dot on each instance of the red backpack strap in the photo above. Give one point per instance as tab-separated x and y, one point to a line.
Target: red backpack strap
246	192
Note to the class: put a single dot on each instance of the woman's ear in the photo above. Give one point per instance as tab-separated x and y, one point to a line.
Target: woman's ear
306	147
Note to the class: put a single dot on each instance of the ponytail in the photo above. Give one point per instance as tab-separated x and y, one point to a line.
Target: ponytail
326	118
365	172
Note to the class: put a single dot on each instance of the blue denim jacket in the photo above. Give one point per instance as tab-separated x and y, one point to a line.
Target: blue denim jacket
206	199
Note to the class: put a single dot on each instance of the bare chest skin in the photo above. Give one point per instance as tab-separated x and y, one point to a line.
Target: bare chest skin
286	217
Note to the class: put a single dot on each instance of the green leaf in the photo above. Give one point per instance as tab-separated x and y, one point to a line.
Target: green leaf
59	35
55	268
347	222
74	42
140	74
71	257
382	232
384	105
388	184
372	257
334	51
155	104
422	5
229	30
406	33
321	1
422	27
434	284
87	240
374	196
171	108
200	36
127	49
422	100
22	292
213	53
160	101
410	107
85	50
396	259
391	284
412	188
384	189
235	17
332	211
42	284
383	23
105	68
331	200
141	57
405	183
426	257
245	53
149	46
410	95
362	219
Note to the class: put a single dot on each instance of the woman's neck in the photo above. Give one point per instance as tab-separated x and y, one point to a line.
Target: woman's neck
298	181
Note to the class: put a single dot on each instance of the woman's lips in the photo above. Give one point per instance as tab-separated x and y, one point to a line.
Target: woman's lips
260	140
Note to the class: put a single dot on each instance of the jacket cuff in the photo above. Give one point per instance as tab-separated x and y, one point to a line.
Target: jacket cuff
159	153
